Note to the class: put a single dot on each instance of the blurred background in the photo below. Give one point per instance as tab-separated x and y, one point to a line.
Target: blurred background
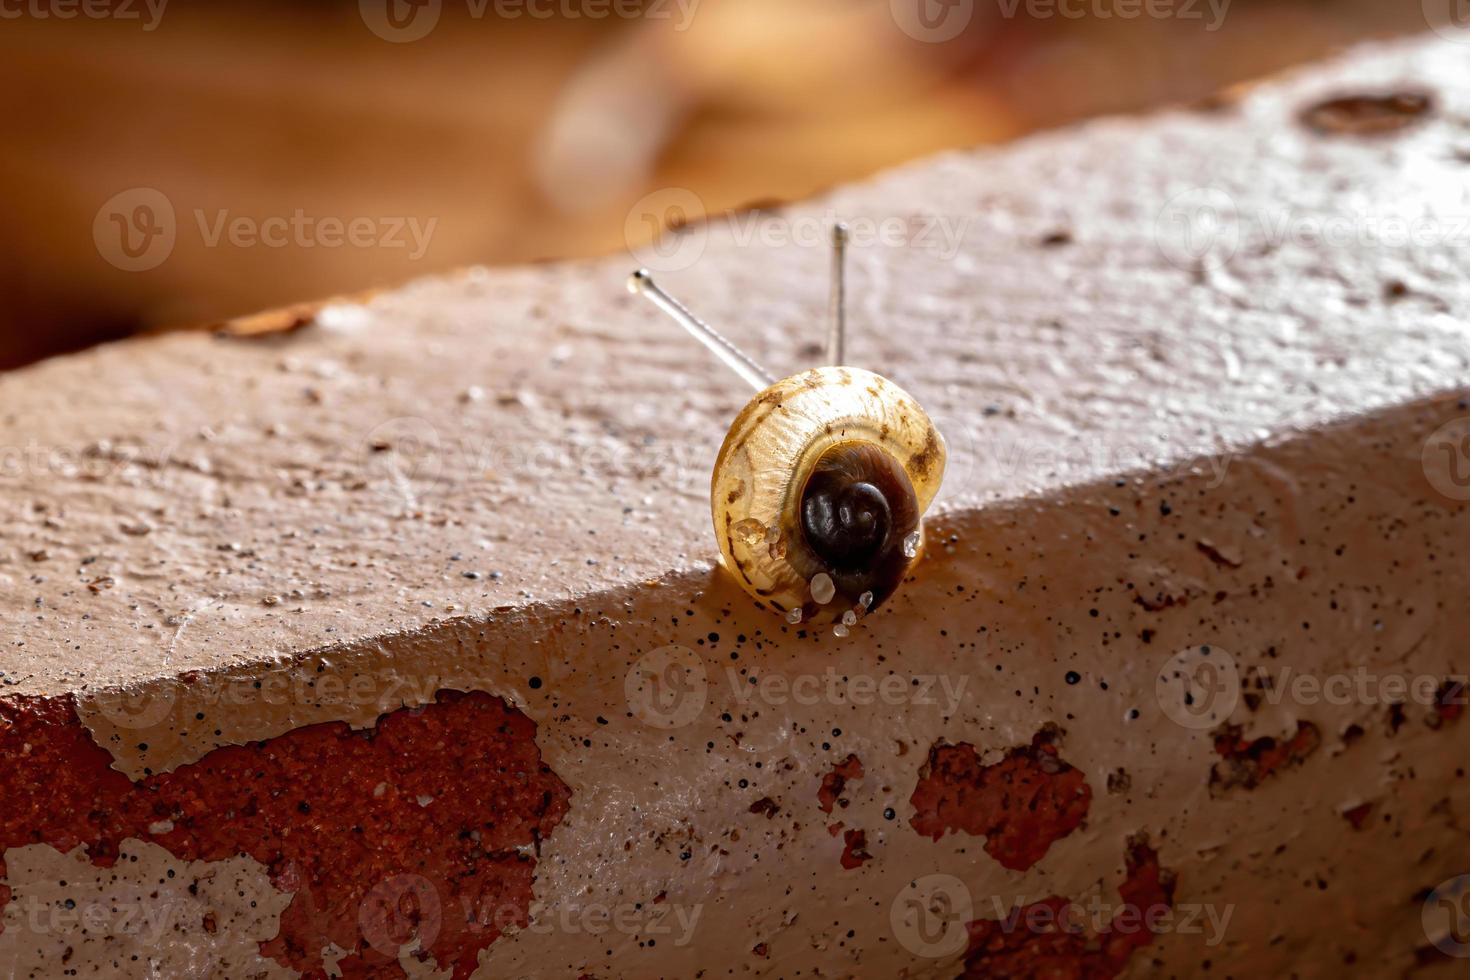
174	163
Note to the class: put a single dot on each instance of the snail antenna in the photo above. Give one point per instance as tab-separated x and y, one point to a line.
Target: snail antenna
641	282
837	327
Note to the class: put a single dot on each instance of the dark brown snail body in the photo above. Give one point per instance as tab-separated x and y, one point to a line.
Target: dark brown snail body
819	492
820	487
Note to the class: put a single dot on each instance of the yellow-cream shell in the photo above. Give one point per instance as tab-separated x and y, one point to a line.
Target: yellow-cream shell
763	465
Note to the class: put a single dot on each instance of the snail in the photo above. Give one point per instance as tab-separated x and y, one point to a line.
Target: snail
820	487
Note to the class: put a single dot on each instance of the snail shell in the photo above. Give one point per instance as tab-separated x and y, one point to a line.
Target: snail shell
819	492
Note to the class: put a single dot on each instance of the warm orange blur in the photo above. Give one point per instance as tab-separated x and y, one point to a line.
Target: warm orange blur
308	151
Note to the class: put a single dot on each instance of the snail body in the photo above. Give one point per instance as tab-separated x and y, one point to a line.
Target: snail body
819	491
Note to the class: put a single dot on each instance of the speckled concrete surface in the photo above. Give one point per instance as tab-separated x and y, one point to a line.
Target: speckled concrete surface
497	482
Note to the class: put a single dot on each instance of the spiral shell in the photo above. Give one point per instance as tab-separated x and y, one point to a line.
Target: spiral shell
762	472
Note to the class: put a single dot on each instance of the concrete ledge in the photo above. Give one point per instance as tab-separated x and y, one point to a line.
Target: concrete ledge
1196	387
